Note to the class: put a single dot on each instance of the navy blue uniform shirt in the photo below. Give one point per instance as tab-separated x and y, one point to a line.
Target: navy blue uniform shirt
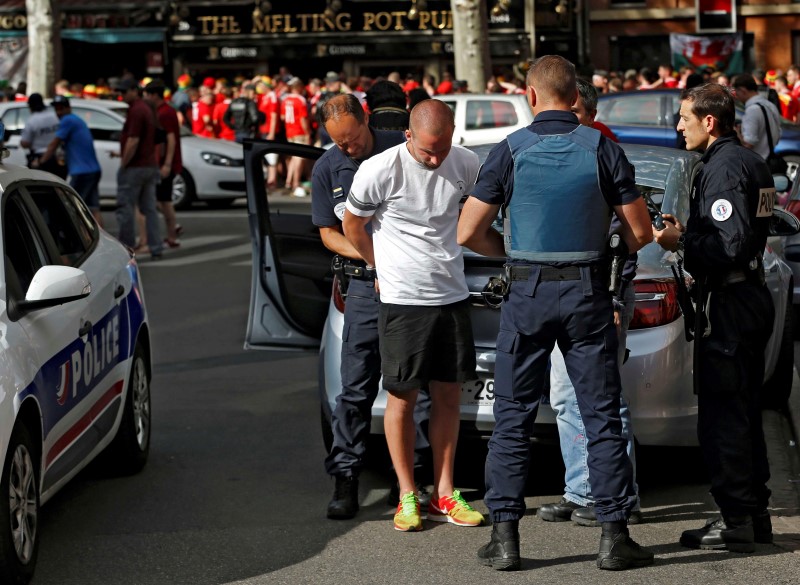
617	182
333	174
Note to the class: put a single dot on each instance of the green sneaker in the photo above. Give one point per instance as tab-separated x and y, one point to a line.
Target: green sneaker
454	509
407	518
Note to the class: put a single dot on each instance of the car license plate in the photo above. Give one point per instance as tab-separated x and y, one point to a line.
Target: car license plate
478	392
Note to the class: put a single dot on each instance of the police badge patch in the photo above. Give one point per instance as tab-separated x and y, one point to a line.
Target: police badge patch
339	210
721	209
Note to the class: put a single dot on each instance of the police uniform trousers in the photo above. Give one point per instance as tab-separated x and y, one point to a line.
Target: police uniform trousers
729	415
578	315
361	374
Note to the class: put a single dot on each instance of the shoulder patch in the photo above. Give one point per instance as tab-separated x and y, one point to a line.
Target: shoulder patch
721	209
339	210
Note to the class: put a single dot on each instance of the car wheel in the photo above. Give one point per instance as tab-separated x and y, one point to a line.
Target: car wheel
19	510
776	391
183	190
129	450
792	164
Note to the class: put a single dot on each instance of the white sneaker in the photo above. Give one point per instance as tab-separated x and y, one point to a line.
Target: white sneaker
300	192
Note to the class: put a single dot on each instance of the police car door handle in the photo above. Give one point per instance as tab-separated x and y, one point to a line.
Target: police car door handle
119	291
85	329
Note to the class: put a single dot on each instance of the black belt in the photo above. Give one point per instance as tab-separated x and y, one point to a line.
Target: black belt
549	273
358	271
737	276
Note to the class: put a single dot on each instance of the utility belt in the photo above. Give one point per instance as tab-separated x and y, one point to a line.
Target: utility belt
550	273
346	270
720	282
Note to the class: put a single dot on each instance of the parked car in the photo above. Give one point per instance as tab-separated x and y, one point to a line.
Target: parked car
212	169
791	244
294	304
486	118
648	117
75	361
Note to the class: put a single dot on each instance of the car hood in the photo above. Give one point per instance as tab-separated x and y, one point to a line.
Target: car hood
224	147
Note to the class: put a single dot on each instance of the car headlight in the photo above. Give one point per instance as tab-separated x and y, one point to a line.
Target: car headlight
220	160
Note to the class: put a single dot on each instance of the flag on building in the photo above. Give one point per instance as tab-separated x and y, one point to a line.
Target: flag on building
718	52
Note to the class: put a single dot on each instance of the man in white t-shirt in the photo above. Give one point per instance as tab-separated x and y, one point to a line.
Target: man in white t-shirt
411	194
39	131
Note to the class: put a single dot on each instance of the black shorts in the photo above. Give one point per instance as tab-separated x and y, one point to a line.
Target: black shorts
164	188
421	343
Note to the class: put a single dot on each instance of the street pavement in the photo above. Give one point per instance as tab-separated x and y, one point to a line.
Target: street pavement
235	490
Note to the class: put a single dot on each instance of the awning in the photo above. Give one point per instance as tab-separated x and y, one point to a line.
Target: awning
114	35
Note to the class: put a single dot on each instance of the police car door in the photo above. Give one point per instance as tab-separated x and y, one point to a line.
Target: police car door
291	279
85	358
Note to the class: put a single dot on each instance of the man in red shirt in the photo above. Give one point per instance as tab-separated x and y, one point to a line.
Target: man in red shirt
221	129
586	109
202	124
169	156
294	115
138	170
269	106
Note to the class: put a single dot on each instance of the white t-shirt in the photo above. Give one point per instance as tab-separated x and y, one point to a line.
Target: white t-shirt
39	130
414	213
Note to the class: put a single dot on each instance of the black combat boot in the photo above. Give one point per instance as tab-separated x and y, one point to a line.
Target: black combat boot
587	517
502	552
762	528
733	533
618	551
344	503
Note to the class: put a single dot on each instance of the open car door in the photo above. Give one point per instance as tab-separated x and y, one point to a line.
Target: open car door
291	280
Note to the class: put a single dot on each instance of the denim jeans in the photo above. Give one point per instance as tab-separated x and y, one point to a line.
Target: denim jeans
136	188
571	431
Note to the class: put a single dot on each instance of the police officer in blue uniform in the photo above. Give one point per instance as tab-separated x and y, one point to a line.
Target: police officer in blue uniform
731	204
558	182
355	141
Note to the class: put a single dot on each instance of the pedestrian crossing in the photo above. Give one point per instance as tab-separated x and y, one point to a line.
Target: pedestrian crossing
228	249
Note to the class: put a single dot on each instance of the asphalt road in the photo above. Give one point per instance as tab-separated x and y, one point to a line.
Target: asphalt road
235	490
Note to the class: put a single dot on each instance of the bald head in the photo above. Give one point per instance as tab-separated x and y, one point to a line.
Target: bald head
553	79
433	117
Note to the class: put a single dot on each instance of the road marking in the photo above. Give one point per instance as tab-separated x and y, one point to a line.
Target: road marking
200	258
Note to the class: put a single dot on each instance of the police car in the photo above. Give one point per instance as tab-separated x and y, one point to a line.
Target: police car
294	304
74	355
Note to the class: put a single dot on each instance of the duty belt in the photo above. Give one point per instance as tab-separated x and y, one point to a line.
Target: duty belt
358	271
548	273
737	276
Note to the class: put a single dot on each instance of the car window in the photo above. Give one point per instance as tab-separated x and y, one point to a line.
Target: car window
15	119
642	110
102	126
452	103
24	253
72	237
490	114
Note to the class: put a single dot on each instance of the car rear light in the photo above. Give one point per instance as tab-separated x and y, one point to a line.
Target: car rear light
793	207
656	303
338	299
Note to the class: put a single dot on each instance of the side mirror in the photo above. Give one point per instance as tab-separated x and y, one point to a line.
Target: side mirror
782	182
783	223
55	285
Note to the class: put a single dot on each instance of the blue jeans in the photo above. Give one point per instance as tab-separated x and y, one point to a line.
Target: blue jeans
136	188
571	431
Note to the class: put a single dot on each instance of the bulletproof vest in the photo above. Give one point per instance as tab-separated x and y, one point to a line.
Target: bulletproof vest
557	212
240	115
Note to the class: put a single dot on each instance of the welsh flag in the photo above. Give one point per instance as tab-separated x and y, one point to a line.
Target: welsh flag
721	52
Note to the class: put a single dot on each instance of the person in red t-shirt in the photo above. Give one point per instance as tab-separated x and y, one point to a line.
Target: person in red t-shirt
269	106
221	129
585	108
202	114
294	115
790	107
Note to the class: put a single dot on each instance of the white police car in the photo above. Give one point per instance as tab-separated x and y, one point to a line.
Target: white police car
74	355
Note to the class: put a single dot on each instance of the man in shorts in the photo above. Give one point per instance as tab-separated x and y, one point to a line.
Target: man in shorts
82	163
411	194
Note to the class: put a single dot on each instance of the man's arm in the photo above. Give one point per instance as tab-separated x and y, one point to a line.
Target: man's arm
166	167
355	229
637	230
336	242
130	150
475	228
51	148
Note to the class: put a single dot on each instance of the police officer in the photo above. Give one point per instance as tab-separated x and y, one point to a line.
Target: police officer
332	176
731	203
558	182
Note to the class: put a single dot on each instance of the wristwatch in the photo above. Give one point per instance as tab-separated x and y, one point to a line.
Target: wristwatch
681	242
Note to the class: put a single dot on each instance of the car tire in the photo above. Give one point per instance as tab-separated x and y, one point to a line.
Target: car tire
128	452
183	190
776	390
19	509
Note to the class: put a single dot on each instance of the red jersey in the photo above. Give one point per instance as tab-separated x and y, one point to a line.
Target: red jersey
294	108
789	106
199	114
605	130
221	129
268	105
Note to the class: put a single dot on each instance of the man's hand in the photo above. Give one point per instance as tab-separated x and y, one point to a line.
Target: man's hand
668	237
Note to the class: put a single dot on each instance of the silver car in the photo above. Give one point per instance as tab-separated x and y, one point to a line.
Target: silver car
294	304
212	169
